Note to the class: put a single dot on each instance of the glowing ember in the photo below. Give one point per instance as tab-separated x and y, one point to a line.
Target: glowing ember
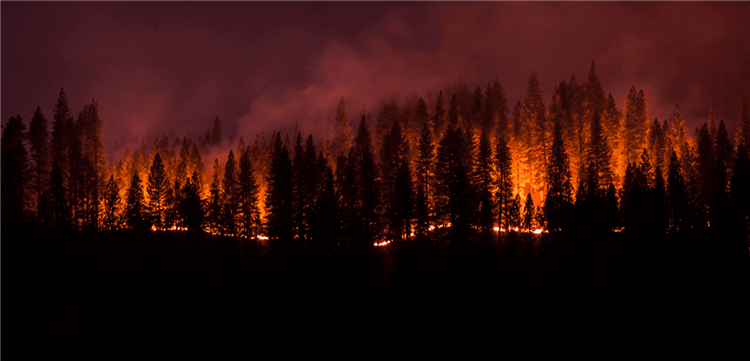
381	244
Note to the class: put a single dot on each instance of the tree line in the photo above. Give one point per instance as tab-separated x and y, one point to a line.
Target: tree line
467	167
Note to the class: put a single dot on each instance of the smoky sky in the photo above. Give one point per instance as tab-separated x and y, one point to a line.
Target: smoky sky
171	67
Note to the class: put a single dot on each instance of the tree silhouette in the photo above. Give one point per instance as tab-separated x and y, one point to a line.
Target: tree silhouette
214	212
157	192
484	184
15	174
111	205
279	208
425	181
368	202
39	140
135	209
190	205
558	202
230	203
247	194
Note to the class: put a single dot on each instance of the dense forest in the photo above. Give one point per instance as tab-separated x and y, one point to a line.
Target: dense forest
522	197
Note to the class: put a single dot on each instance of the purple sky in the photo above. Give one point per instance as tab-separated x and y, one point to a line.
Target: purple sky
259	67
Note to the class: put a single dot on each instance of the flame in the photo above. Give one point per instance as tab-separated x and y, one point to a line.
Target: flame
381	244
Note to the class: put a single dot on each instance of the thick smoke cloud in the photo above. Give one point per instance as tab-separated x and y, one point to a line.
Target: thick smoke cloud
163	67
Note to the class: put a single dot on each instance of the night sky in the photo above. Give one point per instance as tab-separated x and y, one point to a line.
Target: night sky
172	67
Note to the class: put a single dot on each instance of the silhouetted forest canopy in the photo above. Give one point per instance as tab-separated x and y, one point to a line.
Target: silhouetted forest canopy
557	198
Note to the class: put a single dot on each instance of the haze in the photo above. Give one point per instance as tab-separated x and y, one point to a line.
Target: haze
172	67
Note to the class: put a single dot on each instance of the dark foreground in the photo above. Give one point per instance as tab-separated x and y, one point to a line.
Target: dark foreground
71	292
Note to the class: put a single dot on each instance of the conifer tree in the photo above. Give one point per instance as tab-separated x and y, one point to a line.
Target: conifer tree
706	164
403	200
135	211
62	126
368	202
504	181
656	143
514	214
484	184
39	140
157	192
635	126
533	114
676	195
191	212
231	198
392	153
453	180
679	142
59	208
528	214
425	180
92	160
558	202
599	151
325	226
279	195
719	203
15	174
214	214
247	194
111	205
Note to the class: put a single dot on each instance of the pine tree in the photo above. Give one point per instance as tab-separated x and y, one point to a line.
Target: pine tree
93	161
247	194
656	144
558	202
533	114
230	203
599	151
514	214
61	128
325	226
39	139
403	200
111	205
157	192
392	153
484	184
676	195
453	191
214	214
15	174
635	126
504	182
425	181
594	101
279	207
679	142
135	211
368	202
528	214
706	164
59	207
719	204
190	205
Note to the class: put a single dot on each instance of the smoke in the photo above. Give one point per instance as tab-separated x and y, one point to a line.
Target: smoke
162	67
